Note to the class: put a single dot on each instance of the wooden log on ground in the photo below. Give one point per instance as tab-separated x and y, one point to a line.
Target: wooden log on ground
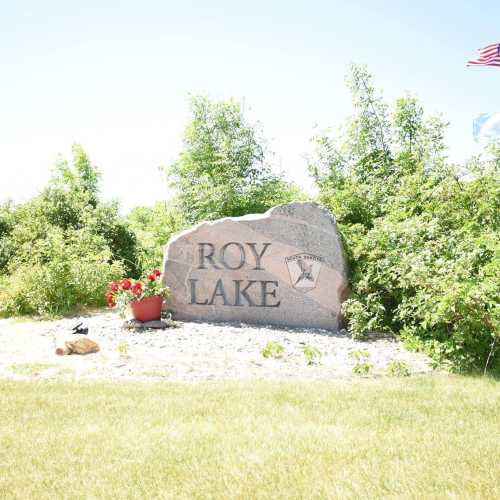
83	345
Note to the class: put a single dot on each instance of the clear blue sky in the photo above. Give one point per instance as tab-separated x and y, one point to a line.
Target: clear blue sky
114	76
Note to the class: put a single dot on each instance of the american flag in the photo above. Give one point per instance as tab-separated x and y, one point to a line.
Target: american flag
488	56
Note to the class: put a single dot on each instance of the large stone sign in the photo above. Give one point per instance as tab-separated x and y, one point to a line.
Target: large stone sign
285	267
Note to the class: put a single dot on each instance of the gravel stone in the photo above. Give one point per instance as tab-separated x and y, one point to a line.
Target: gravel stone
191	352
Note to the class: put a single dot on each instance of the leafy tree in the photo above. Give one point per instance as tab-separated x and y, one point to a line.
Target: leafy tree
153	227
422	237
7	223
60	250
81	176
71	201
222	170
369	133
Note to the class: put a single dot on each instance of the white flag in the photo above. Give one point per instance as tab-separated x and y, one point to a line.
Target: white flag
486	127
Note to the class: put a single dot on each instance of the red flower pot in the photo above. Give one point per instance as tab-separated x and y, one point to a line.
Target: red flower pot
148	309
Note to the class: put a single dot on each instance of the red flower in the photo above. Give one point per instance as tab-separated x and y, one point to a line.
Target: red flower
110	299
157	272
151	277
126	284
114	286
137	288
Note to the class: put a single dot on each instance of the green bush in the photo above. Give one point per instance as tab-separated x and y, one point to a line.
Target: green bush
397	368
7	247
104	220
273	350
59	251
153	227
422	236
311	354
432	276
362	368
68	271
222	170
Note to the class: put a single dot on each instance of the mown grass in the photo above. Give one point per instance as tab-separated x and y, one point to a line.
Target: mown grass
31	368
418	437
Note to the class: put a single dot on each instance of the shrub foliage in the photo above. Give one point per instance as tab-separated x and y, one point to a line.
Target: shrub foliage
223	170
422	234
153	227
59	251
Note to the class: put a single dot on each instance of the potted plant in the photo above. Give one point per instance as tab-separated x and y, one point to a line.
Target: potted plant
145	296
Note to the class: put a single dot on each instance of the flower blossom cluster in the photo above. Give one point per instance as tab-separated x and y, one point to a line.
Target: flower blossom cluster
134	289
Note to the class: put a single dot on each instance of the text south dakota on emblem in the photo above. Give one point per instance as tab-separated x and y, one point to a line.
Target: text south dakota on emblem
304	257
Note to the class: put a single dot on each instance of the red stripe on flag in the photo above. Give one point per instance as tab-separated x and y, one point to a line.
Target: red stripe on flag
486	59
490	45
489	53
475	63
488	56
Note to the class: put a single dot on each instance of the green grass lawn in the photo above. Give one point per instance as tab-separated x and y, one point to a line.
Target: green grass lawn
418	437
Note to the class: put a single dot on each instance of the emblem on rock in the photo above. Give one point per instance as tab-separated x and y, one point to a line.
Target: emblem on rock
304	269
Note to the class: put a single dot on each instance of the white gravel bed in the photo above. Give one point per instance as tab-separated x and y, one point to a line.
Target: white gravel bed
191	352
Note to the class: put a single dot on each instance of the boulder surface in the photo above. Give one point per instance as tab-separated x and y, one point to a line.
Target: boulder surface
285	267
